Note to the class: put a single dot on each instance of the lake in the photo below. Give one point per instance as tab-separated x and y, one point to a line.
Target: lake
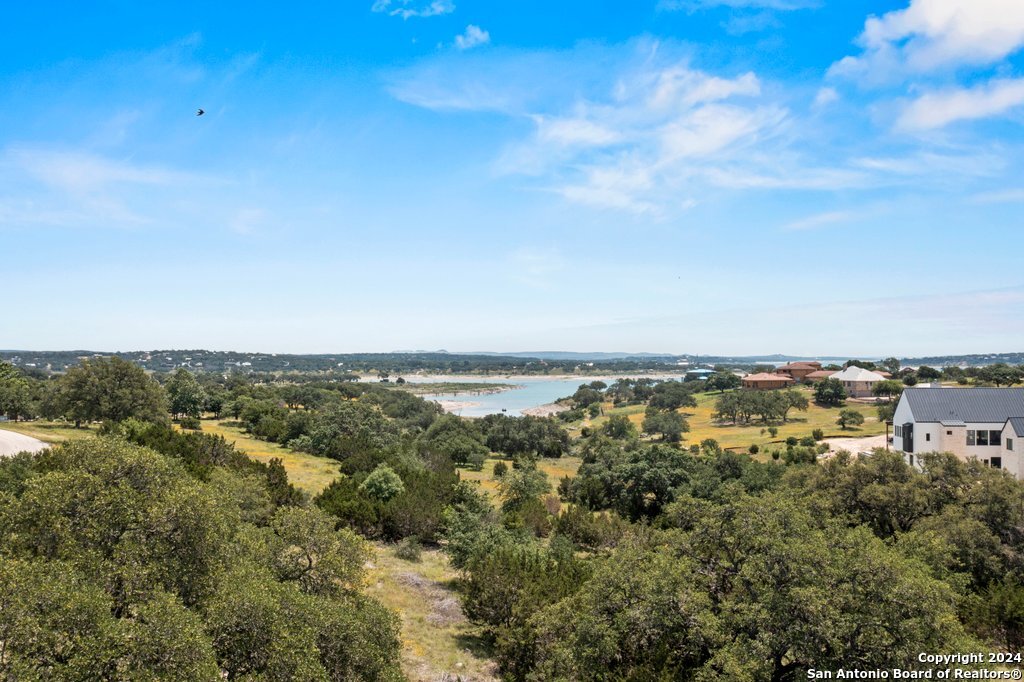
528	393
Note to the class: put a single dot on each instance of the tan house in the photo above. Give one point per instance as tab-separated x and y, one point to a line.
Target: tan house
858	381
798	371
765	381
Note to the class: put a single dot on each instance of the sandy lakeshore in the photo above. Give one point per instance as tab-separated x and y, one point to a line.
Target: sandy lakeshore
454	406
549	410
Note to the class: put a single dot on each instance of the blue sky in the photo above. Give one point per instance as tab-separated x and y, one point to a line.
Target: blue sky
704	176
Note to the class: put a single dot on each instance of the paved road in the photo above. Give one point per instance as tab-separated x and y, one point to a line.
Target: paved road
855	445
12	443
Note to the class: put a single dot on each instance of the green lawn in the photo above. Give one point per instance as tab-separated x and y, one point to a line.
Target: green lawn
308	473
556	469
703	424
50	432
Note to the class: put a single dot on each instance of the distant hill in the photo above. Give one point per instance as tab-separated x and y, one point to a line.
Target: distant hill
576	356
975	360
482	362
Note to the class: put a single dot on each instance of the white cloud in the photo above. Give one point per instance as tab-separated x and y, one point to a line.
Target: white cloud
820	220
930	34
938	109
1004	196
411	8
825	96
638	128
80	172
473	36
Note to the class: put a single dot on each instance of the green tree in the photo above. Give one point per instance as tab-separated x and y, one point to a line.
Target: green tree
830	393
723	381
890	365
110	389
619	426
15	393
521	486
1000	374
668	423
888	389
791	400
849	417
458	439
382	484
187	397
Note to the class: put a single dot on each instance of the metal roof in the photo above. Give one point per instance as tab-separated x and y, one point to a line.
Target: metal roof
855	373
1018	425
965	404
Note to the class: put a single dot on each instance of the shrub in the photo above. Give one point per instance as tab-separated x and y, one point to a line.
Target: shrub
753	449
818	434
792	440
191	423
849	417
476	461
382	484
409	549
500	469
773	431
808	441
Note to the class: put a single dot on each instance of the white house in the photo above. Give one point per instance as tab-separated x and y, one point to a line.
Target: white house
984	423
858	381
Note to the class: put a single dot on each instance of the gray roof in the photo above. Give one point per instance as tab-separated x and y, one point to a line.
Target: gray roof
965	404
1018	425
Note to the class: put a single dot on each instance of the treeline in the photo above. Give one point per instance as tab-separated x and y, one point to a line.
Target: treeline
202	361
182	560
670	565
742	407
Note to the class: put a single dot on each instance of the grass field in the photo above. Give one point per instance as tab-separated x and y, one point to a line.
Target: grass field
703	424
438	642
50	432
556	469
308	473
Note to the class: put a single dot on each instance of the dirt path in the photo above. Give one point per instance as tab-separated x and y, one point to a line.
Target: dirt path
438	643
12	443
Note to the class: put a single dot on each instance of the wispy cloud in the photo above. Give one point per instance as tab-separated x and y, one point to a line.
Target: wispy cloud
820	220
825	96
407	9
1013	195
472	37
638	128
938	109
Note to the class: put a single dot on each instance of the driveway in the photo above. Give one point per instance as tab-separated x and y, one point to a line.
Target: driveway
854	445
12	443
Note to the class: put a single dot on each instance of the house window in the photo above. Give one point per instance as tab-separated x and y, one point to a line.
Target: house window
995	437
928	437
1009	444
949	433
982	437
970	437
899	431
997	462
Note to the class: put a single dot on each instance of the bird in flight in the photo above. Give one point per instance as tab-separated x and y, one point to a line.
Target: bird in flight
200	112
